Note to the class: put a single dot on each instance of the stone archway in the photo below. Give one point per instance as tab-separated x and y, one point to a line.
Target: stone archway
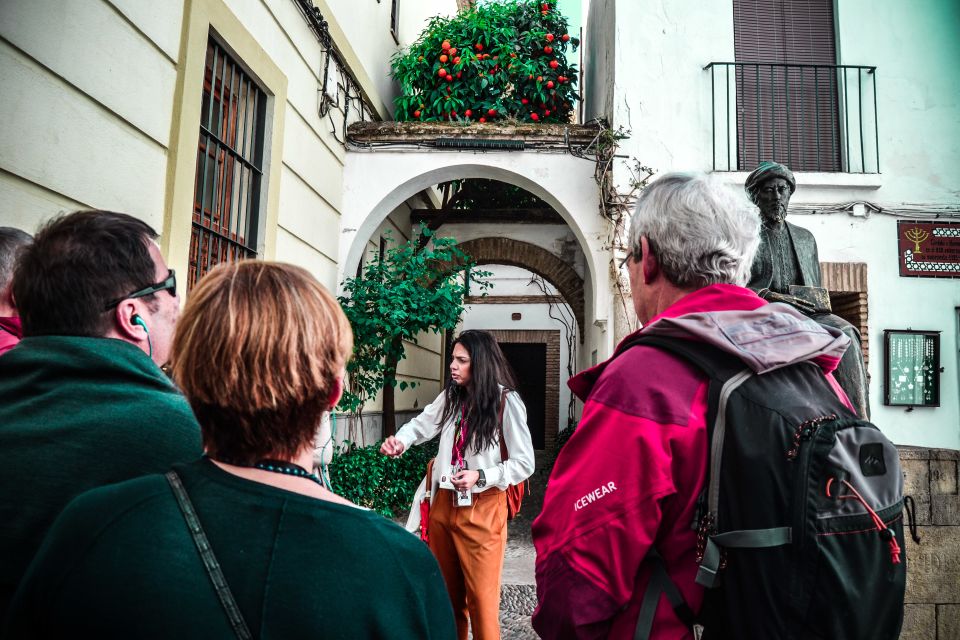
562	183
516	253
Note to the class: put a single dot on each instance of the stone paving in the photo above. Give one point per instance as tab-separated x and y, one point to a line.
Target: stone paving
518	591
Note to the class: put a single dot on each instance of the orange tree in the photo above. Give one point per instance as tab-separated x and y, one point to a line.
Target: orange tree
490	61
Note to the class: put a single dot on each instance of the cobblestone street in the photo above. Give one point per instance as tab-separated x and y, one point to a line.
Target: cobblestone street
518	593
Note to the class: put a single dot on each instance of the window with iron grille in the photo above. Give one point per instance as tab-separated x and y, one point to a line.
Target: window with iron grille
395	20
226	202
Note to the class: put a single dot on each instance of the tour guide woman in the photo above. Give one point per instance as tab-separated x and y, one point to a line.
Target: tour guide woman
469	540
259	352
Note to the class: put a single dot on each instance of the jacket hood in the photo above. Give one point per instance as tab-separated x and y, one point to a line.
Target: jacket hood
764	339
763	336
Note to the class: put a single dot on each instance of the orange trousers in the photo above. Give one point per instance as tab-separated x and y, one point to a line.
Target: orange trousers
468	543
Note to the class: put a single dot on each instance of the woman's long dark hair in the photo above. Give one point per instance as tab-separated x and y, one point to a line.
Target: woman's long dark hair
480	399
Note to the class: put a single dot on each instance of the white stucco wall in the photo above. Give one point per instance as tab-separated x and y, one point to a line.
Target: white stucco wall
88	120
73	135
562	181
555	238
366	26
898	303
662	94
915	49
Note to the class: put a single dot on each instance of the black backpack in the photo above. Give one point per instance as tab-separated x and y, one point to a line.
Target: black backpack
800	534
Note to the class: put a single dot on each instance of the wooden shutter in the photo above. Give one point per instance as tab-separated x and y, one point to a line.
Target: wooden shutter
786	111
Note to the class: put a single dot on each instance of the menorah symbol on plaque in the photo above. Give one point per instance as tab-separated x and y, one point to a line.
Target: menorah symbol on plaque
916	236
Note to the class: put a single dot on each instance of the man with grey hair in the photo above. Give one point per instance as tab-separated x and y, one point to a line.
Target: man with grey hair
11	240
624	490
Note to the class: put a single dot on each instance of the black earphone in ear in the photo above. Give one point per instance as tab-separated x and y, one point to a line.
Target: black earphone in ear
138	320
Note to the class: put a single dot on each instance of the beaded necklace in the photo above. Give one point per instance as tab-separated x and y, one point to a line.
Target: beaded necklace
276	466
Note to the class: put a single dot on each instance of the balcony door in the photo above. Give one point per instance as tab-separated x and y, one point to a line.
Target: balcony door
787	88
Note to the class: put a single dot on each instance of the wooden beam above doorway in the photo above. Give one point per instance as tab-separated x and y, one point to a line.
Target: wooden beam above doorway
473	216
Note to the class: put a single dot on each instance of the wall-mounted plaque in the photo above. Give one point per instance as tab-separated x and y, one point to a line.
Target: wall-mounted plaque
929	249
911	368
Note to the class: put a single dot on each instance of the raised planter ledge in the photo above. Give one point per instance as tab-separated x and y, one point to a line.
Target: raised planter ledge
417	132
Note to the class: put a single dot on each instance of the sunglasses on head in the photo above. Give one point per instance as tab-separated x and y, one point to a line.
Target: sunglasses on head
168	284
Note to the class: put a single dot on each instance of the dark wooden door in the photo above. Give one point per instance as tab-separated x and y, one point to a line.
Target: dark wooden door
529	362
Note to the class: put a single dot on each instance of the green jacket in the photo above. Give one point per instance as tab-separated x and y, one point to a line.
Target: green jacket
120	563
78	413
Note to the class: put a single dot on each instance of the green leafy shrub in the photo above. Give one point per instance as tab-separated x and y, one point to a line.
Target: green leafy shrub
370	479
492	60
409	290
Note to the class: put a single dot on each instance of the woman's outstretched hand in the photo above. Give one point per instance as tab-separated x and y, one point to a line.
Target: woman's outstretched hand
392	447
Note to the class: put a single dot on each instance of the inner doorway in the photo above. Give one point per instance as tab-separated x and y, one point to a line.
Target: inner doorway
529	363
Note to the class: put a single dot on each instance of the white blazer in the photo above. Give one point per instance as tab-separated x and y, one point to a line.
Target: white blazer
500	474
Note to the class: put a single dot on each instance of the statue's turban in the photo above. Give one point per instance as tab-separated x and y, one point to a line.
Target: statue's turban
765	171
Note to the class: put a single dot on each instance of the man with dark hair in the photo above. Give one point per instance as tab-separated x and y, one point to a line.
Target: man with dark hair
83	402
11	240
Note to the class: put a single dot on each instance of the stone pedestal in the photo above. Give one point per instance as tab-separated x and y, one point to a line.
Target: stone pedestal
933	566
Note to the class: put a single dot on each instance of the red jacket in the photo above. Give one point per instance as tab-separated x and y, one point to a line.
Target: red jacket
629	476
10	333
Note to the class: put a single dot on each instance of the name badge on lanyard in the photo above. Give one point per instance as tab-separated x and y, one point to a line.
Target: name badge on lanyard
458	462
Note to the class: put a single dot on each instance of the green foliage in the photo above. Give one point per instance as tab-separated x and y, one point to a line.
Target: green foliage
370	479
407	291
562	438
504	58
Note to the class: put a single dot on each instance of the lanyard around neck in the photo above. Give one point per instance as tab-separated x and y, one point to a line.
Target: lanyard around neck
459	440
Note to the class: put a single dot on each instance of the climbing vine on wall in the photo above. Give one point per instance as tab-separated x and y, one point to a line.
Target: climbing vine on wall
490	61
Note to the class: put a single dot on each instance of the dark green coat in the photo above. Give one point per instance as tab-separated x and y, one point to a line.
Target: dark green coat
120	563
78	413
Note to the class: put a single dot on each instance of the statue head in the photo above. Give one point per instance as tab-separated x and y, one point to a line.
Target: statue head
770	186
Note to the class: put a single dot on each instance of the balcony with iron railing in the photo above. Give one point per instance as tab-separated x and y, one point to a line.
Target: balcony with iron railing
811	117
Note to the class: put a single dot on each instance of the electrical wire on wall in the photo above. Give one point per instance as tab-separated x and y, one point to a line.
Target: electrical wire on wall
566	318
340	97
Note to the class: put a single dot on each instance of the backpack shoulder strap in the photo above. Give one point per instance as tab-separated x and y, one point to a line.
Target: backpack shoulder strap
210	563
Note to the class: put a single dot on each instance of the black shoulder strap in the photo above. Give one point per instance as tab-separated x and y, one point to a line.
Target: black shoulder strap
209	559
725	372
660	584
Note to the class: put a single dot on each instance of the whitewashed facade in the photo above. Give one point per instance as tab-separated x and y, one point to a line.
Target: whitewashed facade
646	72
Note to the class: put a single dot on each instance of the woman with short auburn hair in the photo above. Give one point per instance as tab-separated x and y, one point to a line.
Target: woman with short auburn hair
260	352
